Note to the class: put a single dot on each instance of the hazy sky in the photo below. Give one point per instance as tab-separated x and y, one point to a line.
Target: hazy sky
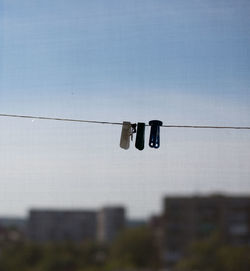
183	62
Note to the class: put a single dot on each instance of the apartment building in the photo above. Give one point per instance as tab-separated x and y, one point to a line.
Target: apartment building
62	225
186	219
110	221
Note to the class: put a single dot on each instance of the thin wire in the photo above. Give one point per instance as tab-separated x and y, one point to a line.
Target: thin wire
60	119
207	127
120	123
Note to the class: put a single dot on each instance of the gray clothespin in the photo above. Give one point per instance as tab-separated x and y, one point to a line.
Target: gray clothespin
125	135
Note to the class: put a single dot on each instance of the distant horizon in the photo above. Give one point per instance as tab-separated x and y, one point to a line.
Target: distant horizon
56	209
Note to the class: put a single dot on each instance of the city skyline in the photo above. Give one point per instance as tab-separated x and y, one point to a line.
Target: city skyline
182	63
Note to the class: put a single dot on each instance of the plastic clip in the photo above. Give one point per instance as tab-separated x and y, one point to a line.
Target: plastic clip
125	135
154	140
140	136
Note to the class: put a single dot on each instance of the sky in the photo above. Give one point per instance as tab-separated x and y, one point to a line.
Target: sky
182	62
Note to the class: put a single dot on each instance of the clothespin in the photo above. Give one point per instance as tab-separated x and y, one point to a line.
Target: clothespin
154	140
125	135
140	136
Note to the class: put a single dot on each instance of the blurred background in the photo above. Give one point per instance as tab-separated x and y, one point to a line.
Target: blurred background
70	198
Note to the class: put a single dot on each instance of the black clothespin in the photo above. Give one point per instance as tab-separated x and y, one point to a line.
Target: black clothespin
154	140
140	136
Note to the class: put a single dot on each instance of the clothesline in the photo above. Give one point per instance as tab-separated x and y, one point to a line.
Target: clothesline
120	123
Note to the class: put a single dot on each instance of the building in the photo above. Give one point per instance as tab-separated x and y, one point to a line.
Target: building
62	225
111	220
187	219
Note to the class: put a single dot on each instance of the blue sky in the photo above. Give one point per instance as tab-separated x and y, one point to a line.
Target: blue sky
183	62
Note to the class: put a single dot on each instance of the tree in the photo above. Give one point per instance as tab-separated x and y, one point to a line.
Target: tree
133	248
212	254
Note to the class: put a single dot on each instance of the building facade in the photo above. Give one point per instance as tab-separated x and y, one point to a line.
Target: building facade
187	219
110	221
62	225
